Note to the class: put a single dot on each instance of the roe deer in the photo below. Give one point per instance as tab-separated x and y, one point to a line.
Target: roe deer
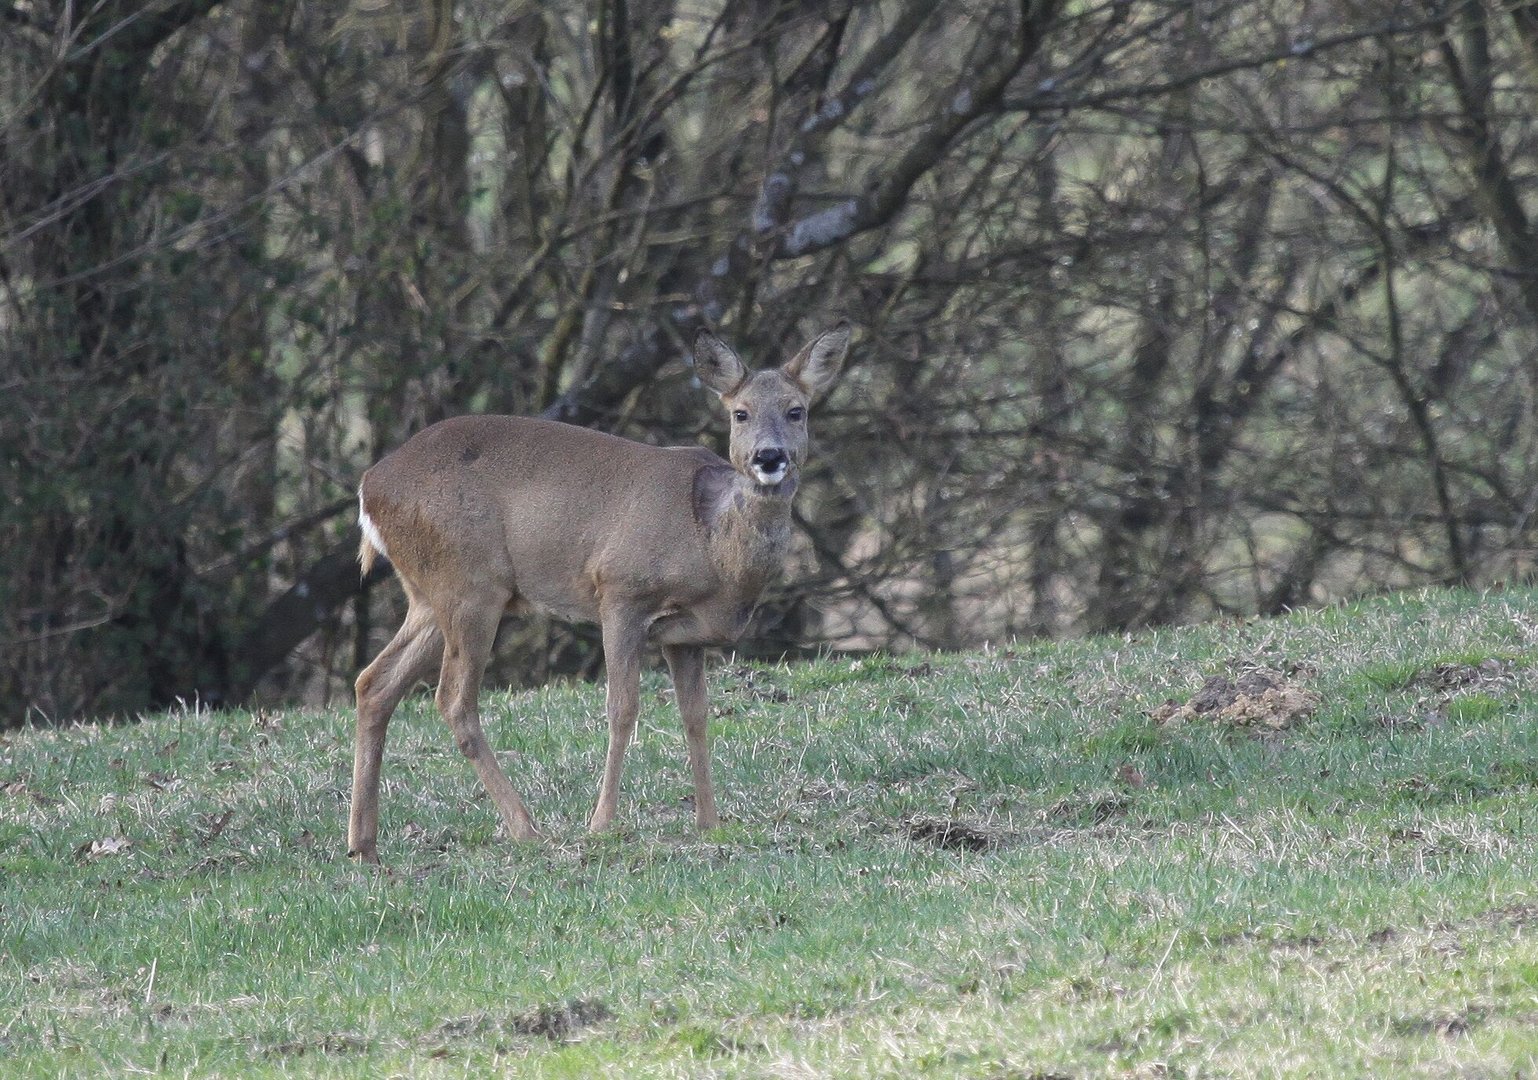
483	516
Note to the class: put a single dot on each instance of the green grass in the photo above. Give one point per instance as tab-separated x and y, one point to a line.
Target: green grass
986	865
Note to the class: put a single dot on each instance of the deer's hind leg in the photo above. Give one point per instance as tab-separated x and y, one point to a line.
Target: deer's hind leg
469	631
410	656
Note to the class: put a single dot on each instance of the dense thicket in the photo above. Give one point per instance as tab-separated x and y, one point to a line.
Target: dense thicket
1168	308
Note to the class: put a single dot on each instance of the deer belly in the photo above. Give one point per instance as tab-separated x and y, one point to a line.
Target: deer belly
575	603
712	626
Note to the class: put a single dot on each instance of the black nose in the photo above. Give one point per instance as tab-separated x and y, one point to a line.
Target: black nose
771	460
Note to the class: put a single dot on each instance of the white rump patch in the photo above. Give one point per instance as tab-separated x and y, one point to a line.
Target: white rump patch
370	531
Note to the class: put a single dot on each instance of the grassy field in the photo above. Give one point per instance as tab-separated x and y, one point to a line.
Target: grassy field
1302	847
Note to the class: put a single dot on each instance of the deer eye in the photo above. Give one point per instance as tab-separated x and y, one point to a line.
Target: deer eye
796	415
740	415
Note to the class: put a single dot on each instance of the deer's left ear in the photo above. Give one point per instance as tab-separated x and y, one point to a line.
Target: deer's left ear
816	366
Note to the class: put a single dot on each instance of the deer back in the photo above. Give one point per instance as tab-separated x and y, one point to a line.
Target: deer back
565	518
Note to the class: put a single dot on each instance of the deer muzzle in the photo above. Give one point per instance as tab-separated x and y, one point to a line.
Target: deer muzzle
769	466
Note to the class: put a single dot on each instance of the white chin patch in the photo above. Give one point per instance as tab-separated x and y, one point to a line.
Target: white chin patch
768	478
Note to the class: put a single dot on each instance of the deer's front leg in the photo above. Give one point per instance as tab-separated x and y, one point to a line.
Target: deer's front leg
624	636
686	663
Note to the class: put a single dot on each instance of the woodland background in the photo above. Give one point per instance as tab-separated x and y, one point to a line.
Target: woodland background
1168	309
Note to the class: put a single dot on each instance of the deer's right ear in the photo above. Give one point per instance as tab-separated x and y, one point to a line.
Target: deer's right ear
716	364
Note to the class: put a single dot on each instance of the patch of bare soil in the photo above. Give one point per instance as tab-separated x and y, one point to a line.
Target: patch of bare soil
1440	684
463	1027
949	834
1414	721
1520	916
1261	701
1094	808
1299	943
19	789
754	684
331	1043
1445	678
1449	1026
559	1022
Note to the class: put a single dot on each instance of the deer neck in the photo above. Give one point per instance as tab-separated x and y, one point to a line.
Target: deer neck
748	525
